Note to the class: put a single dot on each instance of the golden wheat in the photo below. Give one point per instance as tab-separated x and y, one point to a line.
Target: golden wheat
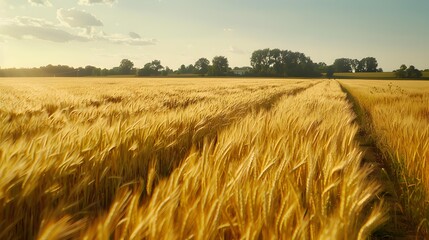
398	112
181	158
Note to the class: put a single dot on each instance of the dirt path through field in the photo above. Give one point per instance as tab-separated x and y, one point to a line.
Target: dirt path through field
398	226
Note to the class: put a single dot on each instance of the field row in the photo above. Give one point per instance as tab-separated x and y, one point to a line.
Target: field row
396	114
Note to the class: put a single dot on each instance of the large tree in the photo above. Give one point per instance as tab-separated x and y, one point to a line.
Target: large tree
282	63
276	63
354	64
368	64
126	67
260	61
202	65
220	66
297	64
342	65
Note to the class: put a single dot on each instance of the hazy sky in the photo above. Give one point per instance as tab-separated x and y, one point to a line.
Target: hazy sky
35	33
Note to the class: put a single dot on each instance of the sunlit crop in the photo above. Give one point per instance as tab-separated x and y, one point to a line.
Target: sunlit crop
182	159
397	114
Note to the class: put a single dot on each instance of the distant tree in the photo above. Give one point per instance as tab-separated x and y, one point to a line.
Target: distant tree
151	69
260	61
330	70
104	72
322	67
220	66
413	72
277	67
190	69
354	64
290	62
115	71
342	65
156	66
368	64
145	71
58	71
401	72
305	67
202	66
166	71
182	69
126	67
91	71
410	72
80	72
282	63
380	70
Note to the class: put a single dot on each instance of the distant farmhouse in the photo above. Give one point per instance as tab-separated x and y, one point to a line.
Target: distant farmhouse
241	71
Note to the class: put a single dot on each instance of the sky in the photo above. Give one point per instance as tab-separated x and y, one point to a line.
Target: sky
101	33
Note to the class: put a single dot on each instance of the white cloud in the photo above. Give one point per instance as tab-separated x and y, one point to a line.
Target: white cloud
128	40
77	18
40	3
91	2
30	28
235	50
35	28
228	30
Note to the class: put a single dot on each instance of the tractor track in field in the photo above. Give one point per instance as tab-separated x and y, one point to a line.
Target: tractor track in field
398	226
217	124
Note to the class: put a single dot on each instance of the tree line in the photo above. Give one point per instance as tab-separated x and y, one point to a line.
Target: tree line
263	63
283	63
408	72
367	64
218	67
60	71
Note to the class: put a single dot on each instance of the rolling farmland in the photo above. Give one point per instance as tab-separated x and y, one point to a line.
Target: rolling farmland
128	158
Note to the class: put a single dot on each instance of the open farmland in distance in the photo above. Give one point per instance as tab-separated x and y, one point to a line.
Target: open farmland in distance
374	75
129	158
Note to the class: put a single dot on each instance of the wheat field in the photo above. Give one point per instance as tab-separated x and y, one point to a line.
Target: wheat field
95	158
398	120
